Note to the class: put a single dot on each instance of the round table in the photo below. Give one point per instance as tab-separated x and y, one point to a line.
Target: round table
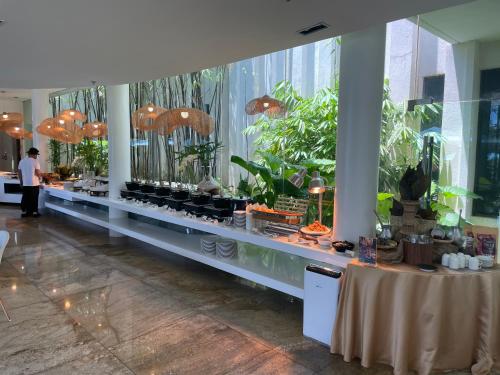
412	320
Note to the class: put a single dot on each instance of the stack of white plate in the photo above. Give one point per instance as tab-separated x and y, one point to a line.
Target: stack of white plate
208	244
226	248
240	219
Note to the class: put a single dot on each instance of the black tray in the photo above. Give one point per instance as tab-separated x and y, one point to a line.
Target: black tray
218	213
157	199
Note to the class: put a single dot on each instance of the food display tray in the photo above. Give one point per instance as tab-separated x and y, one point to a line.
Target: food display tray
291	218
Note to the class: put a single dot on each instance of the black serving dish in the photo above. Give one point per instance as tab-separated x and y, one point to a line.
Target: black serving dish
221	202
240	204
157	199
163	191
342	246
176	204
180	194
200	198
124	194
131	185
140	196
147	188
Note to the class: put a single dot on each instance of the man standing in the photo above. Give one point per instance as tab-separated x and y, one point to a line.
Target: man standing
30	176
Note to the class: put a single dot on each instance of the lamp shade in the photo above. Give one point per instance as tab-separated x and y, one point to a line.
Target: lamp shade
61	130
95	129
317	184
10	119
144	118
72	115
199	121
267	105
19	133
297	179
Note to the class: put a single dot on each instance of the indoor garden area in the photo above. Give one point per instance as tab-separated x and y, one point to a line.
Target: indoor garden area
316	201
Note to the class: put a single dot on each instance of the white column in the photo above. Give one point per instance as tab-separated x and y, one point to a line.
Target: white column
118	117
40	110
358	133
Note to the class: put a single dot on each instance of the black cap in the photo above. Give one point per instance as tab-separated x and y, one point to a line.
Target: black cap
33	151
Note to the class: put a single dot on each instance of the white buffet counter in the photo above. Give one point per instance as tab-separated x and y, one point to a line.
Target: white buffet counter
273	262
10	189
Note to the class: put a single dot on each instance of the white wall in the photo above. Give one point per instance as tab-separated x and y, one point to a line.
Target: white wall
7	144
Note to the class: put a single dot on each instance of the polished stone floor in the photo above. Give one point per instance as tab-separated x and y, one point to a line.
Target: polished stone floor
84	303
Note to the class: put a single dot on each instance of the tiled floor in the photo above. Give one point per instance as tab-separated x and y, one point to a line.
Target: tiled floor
83	303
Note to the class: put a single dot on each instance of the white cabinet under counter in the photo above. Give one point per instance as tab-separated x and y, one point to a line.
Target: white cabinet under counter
10	188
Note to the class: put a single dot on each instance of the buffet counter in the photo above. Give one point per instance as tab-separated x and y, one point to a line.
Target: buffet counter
284	275
10	188
411	320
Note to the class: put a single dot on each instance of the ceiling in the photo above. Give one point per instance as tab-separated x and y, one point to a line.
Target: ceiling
477	20
70	43
15	94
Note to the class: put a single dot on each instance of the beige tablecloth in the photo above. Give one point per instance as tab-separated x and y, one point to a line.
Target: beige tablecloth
419	321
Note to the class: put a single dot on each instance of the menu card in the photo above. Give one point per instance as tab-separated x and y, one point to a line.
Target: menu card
368	251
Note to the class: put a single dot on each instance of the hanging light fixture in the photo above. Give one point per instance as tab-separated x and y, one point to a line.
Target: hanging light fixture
61	130
10	119
144	118
266	105
95	129
72	115
193	118
19	133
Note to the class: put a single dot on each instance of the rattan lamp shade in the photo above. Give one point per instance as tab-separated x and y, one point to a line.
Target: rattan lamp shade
61	130
19	133
72	115
95	130
267	105
10	119
144	118
193	118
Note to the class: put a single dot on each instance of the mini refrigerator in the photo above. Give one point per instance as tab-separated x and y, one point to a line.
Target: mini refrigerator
321	293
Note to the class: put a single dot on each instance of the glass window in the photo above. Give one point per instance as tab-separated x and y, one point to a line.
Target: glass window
487	179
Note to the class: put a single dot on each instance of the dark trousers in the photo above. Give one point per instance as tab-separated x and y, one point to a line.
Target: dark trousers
29	201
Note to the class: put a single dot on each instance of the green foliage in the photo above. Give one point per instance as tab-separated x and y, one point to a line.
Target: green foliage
384	205
268	182
445	214
400	139
94	155
307	132
54	153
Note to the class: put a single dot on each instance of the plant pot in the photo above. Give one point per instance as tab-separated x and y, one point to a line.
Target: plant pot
221	202
200	198
180	194
147	188
163	191
132	185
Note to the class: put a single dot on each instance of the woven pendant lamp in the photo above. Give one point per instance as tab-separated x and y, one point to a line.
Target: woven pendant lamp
47	127
144	118
72	115
199	121
10	119
61	130
95	129
19	133
267	105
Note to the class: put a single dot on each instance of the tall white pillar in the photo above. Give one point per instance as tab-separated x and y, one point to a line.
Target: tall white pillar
118	118
40	110
358	133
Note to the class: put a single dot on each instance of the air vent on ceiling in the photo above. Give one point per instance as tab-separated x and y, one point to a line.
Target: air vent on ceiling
2	22
313	28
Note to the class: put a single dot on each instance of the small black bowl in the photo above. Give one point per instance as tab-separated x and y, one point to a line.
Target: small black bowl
180	194
147	188
221	202
163	191
132	185
200	198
